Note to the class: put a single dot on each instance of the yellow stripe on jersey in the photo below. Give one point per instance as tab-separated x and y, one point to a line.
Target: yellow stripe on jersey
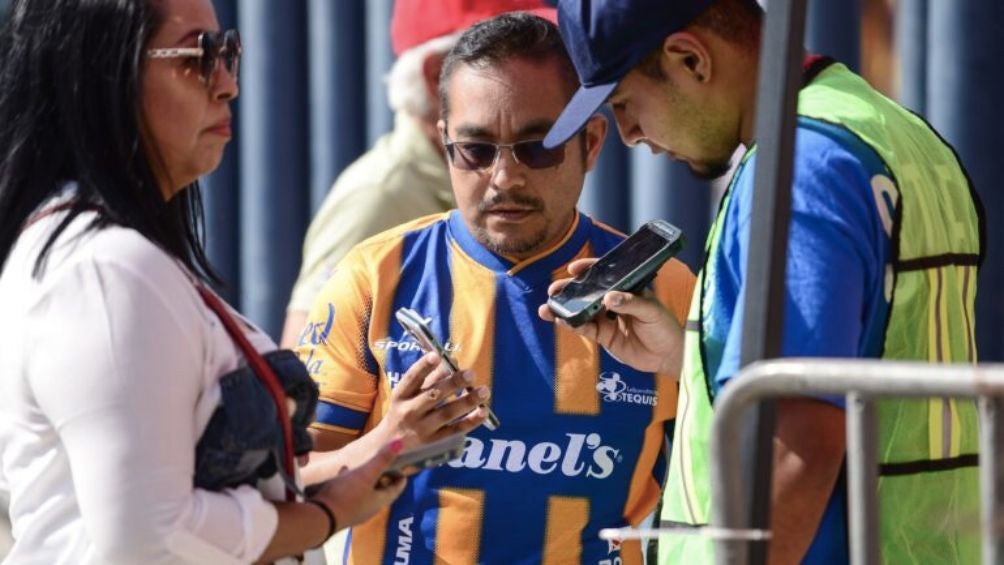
457	536
577	365
472	316
566	519
674	287
631	553
577	372
388	274
644	491
369	539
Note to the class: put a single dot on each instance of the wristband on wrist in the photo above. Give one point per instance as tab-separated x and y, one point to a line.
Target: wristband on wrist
332	524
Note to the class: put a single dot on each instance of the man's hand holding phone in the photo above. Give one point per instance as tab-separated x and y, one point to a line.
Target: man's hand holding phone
431	403
643	334
418	328
636	329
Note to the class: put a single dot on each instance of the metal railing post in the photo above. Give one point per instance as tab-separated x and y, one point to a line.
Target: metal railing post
727	497
862	479
778	83
867	381
991	478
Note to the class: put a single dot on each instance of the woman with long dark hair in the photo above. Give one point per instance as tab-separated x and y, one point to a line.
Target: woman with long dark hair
112	350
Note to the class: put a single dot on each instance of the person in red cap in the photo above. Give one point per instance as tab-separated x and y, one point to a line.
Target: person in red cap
403	176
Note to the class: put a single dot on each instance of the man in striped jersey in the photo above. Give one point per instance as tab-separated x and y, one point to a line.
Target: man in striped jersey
582	439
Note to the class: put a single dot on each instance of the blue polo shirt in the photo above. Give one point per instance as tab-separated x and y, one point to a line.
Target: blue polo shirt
839	251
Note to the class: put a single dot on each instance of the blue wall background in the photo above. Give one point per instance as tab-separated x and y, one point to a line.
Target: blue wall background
312	99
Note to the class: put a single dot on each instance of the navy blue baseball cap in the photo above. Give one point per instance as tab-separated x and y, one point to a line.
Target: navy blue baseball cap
606	39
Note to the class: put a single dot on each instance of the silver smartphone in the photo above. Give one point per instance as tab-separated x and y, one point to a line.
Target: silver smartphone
424	457
419	330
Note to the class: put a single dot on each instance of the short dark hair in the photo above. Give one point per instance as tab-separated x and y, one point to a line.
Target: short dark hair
70	110
504	37
736	21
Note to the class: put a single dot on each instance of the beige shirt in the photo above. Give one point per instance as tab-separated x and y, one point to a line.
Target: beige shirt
401	178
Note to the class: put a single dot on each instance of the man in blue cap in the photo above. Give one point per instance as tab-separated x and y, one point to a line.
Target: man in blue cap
885	241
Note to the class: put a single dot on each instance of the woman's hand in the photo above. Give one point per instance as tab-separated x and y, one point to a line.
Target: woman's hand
354	496
425	406
643	333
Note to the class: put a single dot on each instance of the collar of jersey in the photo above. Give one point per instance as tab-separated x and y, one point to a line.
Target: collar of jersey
533	270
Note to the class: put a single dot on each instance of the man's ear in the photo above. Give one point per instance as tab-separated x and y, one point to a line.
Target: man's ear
595	134
686	56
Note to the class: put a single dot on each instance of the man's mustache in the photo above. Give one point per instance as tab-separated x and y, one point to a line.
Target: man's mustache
502	200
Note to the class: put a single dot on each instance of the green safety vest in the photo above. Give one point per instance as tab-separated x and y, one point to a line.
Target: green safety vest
928	484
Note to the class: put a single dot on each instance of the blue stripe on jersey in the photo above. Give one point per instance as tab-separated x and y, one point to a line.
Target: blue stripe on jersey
661	468
522	374
424	286
335	415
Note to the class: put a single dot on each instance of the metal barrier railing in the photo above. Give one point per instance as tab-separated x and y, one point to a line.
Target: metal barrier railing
863	382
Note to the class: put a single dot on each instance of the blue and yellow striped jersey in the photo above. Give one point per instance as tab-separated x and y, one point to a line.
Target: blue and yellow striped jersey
581	445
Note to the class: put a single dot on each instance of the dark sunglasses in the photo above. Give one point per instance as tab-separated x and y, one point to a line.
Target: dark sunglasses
213	48
481	155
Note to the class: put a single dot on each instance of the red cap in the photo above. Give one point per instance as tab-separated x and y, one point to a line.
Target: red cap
416	21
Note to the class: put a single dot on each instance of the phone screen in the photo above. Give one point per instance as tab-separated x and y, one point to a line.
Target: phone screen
614	267
632	262
634	250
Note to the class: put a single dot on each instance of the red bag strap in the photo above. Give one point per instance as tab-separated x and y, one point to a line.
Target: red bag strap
264	373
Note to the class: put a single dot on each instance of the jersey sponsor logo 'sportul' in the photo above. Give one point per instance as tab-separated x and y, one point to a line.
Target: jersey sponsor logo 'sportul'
403	554
409	345
577	455
613	389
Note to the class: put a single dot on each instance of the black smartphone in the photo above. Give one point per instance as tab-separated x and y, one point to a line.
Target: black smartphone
419	330
424	457
628	267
